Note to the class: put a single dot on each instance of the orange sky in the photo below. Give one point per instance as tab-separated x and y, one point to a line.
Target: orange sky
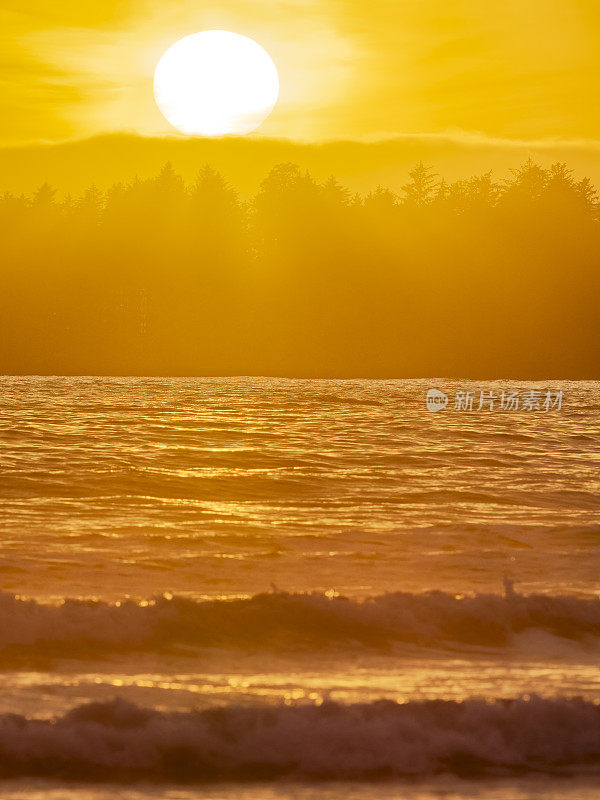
516	69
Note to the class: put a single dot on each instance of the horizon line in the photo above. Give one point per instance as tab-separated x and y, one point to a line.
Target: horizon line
463	138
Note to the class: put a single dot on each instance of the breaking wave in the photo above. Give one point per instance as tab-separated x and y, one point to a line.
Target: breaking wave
119	741
282	621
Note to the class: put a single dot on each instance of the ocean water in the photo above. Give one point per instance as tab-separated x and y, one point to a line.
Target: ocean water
271	589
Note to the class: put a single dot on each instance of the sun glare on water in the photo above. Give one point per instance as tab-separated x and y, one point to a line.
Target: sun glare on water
215	83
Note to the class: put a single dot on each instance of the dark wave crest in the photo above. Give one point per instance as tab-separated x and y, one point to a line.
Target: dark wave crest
118	741
282	621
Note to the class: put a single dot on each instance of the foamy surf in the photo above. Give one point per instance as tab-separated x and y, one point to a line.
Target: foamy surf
281	621
120	741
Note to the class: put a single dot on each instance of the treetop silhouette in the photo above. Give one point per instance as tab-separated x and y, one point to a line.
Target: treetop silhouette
471	277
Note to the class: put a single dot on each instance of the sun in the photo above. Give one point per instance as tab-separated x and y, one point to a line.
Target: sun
215	83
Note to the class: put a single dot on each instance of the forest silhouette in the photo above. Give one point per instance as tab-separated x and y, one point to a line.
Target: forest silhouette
476	278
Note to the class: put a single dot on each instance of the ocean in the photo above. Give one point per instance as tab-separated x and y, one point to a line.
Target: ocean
276	589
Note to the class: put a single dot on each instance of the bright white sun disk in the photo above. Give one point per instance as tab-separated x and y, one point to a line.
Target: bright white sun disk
215	83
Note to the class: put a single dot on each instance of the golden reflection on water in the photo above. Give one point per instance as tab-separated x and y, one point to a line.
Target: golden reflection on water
299	681
208	486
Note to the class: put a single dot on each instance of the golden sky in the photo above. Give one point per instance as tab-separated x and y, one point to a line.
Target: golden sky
508	69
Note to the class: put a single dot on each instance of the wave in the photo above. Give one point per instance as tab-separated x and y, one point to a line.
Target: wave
283	621
119	741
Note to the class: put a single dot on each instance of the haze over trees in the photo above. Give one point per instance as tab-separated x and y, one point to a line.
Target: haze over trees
474	278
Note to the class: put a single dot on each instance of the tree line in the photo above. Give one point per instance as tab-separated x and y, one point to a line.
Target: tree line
476	277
